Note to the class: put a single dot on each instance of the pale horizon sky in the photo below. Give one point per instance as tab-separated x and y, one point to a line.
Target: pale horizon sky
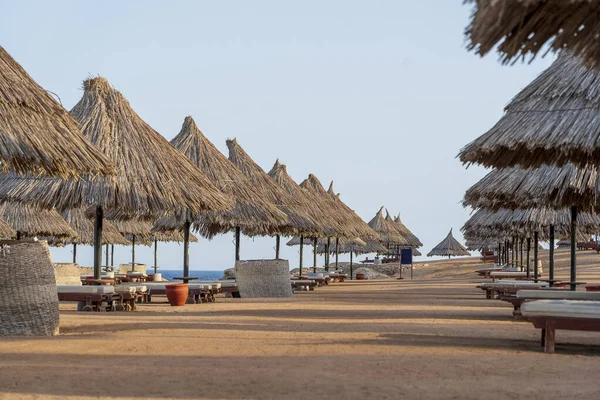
378	96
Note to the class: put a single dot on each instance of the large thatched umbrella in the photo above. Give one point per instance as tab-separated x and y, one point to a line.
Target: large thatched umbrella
6	231
37	135
28	221
152	177
251	214
353	225
412	239
388	233
449	247
330	220
522	28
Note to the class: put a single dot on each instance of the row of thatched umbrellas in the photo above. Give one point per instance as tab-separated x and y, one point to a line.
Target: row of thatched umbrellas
545	148
123	171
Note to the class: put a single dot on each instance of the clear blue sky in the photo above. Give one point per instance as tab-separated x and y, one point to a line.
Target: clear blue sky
378	96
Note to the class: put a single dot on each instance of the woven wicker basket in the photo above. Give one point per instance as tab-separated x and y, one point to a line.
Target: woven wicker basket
263	278
28	298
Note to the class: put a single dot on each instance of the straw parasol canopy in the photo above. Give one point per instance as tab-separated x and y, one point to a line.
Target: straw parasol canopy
30	221
503	223
537	187
449	247
355	245
37	135
251	213
553	120
84	227
388	233
152	177
317	209
144	234
522	28
353	225
411	239
299	221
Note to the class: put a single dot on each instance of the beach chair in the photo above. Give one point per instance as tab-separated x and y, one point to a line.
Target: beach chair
547	294
507	287
90	298
303	284
550	315
496	275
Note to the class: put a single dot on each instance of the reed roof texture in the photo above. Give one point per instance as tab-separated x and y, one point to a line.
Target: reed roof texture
299	221
388	232
522	28
546	186
329	219
554	120
6	231
145	234
353	226
30	221
251	211
153	179
504	223
449	247
410	239
84	227
37	135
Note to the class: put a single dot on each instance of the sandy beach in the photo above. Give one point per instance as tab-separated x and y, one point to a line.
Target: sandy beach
433	337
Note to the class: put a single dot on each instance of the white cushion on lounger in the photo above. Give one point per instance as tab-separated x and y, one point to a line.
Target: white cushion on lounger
228	283
84	289
315	275
509	273
561	308
107	275
521	284
557	294
159	286
124	289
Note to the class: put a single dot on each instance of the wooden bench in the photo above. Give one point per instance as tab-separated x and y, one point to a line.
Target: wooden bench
504	288
550	315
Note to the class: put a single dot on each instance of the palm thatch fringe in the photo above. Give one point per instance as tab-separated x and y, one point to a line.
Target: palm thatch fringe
251	212
37	134
299	221
145	235
554	120
30	222
522	28
84	227
449	247
153	179
328	218
504	223
549	186
6	231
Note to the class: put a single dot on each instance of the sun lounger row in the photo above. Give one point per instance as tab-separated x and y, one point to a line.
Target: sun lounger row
103	298
496	289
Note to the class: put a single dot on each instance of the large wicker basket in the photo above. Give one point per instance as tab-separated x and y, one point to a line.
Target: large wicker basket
28	298
263	278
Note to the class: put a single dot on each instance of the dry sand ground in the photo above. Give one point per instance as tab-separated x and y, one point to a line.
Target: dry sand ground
433	337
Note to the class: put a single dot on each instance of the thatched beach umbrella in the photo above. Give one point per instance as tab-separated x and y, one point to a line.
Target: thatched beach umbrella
37	135
251	214
522	28
387	232
28	221
6	231
449	247
152	177
412	239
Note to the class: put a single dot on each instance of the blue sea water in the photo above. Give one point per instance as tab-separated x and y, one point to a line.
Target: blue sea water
202	275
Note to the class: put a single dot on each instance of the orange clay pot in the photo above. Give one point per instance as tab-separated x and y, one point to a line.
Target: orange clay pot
177	293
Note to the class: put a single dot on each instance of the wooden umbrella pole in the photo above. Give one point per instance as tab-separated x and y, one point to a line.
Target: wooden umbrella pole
315	255
155	255
301	255
528	249
106	250
327	253
186	248
351	266
551	256
133	253
499	257
573	246
237	243
74	253
536	246
521	254
112	254
337	249
277	246
512	253
98	242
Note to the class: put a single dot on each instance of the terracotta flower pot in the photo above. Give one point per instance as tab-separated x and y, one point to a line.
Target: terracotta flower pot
177	293
360	277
